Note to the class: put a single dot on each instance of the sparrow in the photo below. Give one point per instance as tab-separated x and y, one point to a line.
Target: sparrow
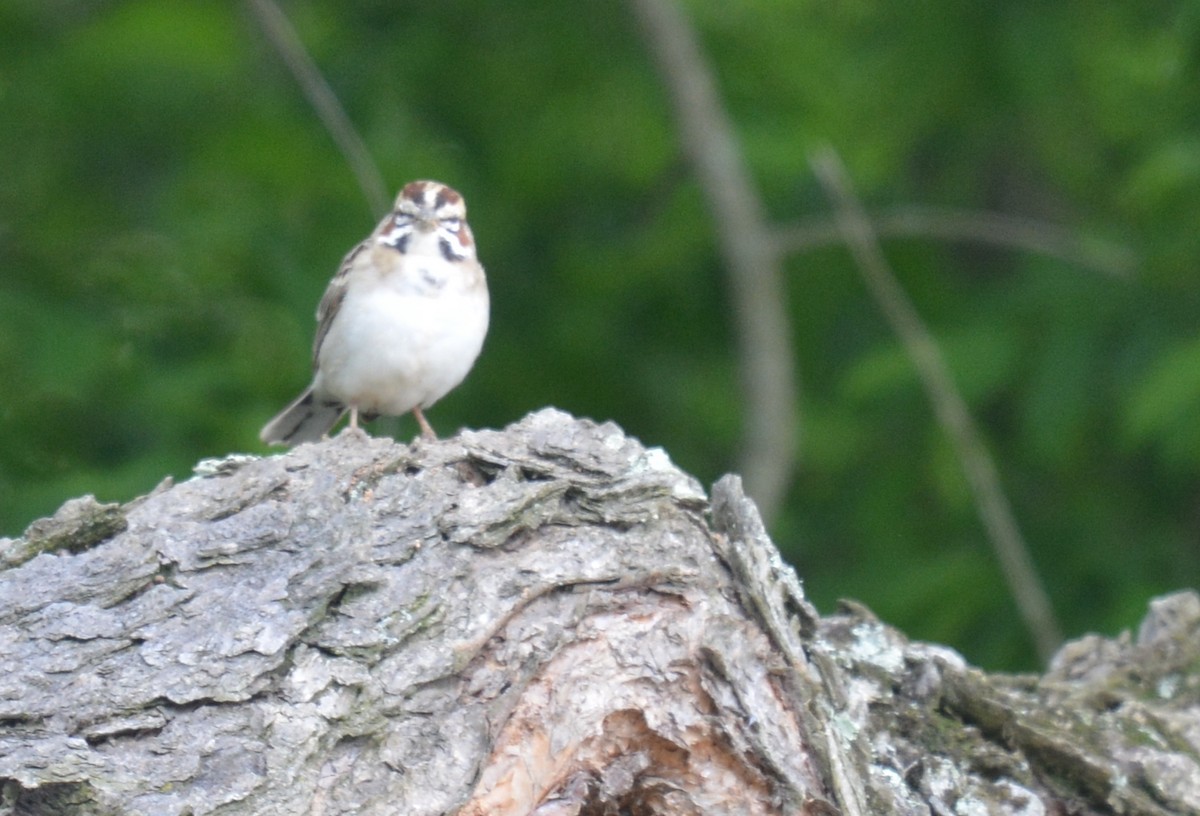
400	324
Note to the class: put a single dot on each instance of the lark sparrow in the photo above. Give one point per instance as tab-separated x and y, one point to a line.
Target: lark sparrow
401	323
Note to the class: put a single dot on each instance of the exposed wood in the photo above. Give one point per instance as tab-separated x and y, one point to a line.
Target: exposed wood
548	619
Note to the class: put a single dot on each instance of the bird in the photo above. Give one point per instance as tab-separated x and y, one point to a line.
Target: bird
400	324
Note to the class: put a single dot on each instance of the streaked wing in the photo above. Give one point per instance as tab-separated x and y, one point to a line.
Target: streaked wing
331	301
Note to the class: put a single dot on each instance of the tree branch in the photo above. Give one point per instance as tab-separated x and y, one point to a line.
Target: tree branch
282	35
949	407
753	263
1010	232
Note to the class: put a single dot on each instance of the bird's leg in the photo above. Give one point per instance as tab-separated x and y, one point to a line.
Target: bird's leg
426	429
354	417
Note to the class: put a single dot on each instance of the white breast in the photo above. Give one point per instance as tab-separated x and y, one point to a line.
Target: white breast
404	339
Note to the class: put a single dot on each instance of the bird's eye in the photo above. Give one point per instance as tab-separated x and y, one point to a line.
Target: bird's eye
453	224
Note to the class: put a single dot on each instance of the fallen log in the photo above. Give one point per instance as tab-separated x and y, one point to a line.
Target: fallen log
548	619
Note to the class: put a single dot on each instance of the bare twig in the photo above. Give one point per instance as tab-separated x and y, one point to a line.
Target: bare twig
283	36
751	258
949	406
984	227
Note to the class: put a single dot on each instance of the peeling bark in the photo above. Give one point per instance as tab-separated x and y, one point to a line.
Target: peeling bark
548	619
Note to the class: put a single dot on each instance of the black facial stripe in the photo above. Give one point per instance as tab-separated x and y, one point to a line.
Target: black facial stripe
439	200
448	250
398	242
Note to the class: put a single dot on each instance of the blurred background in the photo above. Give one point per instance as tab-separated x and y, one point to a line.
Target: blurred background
171	209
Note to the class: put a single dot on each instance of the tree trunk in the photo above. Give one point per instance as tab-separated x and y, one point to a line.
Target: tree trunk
549	619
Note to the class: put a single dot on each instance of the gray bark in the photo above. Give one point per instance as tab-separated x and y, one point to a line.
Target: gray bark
548	619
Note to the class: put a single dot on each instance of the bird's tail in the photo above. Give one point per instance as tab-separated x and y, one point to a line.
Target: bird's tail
306	420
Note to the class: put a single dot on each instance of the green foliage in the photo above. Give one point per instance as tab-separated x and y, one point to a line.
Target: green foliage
171	210
1161	409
